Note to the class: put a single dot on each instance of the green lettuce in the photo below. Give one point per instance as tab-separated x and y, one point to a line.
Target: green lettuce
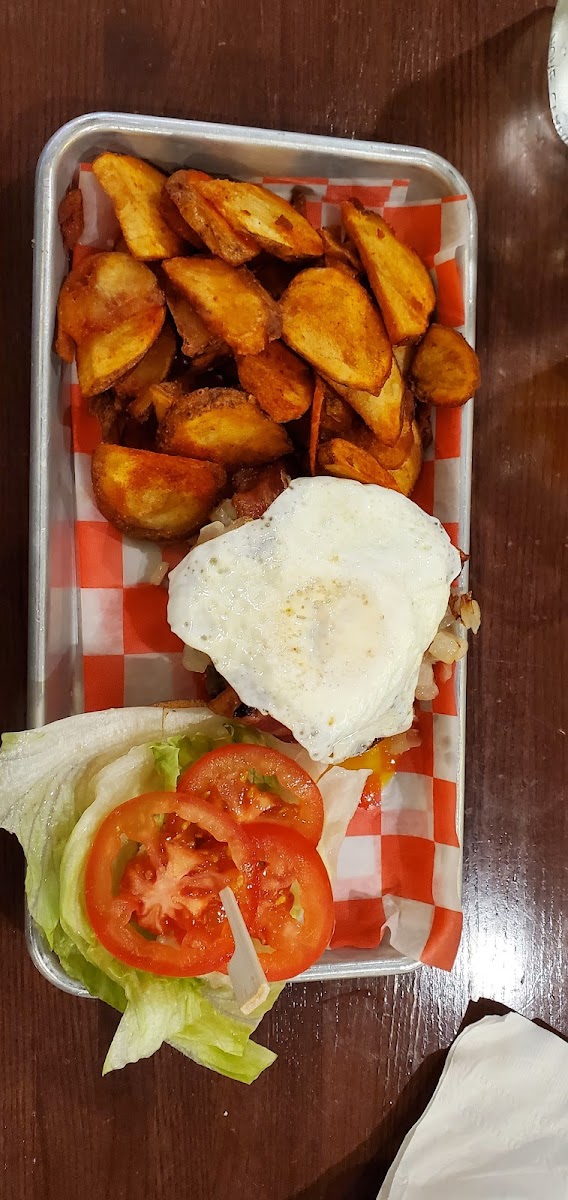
175	754
56	786
46	779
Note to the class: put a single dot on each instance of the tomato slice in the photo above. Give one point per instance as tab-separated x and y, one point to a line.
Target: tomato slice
255	783
161	911
293	922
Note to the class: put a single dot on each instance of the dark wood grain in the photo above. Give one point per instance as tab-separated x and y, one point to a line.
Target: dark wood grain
357	1060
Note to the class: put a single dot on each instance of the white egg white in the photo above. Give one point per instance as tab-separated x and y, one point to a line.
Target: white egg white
320	611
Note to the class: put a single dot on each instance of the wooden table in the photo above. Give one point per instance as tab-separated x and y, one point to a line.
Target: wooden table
357	1059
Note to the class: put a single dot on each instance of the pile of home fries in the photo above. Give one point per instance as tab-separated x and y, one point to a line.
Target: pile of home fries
226	345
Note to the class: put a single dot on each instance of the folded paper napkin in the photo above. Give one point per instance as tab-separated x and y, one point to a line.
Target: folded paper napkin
497	1125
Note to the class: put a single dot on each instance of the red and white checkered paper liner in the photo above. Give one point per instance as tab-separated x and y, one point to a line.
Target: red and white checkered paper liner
400	863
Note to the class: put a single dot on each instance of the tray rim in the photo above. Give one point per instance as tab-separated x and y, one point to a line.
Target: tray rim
63	140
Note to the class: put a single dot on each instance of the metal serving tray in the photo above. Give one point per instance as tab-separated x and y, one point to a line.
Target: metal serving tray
54	676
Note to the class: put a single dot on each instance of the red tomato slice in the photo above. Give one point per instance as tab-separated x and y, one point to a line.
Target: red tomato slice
255	783
292	875
161	912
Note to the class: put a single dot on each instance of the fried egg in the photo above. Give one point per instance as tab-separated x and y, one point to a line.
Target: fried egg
320	611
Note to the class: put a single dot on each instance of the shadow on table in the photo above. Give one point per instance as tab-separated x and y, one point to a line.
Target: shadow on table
361	1174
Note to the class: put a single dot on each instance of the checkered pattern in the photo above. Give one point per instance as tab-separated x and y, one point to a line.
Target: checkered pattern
399	867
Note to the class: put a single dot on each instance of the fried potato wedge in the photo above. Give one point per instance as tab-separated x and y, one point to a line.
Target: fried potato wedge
197	341
110	414
174	219
213	229
224	425
103	358
229	300
445	369
403	356
152	495
397	275
346	461
406	476
255	211
338	253
424	423
279	380
383	412
315	422
337	418
330	417
156	398
70	217
135	189
102	291
390	457
153	368
64	345
329	319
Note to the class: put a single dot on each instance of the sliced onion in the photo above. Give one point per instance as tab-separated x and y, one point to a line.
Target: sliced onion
159	573
195	660
465	609
447	647
426	687
225	512
444	671
208	532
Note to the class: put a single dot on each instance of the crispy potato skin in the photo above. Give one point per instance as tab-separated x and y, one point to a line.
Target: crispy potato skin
338	253
197	340
337	417
445	369
157	397
70	217
389	457
135	188
154	496
315	424
174	219
255	211
229	300
406	476
279	380
153	368
346	461
330	320
397	275
202	216
383	413
224	425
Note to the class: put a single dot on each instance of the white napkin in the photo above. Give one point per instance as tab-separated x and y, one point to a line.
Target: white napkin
497	1125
